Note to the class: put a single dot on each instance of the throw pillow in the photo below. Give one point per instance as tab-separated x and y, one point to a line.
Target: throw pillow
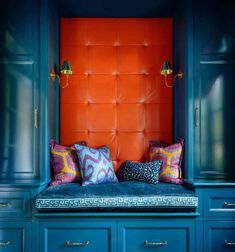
145	172
64	162
171	157
96	165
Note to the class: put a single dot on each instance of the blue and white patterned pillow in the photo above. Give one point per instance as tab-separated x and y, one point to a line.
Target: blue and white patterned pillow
96	165
145	172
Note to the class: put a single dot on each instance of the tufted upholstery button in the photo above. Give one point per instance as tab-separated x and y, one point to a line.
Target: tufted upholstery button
146	44
116	73
117	43
144	72
88	72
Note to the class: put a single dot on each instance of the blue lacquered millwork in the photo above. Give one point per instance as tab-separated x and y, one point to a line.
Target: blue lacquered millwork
122	8
19	72
163	235
214	54
183	90
15	236
219	236
14	204
87	235
49	90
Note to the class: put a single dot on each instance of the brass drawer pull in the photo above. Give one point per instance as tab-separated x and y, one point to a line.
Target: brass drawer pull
77	244
4	243
155	244
5	204
229	244
228	204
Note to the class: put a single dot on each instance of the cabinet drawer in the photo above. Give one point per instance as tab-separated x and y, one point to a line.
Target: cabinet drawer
219	202
69	236
14	237
158	236
14	204
219	236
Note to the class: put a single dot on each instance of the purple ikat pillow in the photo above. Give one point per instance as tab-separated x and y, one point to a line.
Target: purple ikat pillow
96	165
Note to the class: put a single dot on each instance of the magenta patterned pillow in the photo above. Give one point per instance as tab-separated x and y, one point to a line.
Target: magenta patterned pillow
64	162
96	165
171	157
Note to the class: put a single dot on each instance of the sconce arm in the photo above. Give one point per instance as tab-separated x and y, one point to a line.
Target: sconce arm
169	86
67	82
179	76
53	76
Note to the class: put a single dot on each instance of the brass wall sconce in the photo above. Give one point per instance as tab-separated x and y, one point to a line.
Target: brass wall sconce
166	70
65	69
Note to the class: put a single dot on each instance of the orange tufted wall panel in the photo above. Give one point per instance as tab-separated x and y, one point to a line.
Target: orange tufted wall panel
116	95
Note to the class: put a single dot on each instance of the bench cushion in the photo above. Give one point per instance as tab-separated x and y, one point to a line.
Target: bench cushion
127	194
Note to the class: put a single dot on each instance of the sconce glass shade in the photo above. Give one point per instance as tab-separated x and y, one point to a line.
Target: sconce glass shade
166	68
66	68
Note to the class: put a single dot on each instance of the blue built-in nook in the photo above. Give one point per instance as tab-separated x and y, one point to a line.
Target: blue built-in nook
110	104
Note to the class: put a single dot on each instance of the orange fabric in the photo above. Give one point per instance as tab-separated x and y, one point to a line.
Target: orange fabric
116	95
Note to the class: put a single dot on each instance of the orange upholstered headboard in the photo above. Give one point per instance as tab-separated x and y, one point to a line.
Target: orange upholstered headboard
116	95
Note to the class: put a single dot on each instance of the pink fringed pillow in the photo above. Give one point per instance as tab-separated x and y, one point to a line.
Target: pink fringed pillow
64	162
171	157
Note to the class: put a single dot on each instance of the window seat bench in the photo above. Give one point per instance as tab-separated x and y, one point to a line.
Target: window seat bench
117	196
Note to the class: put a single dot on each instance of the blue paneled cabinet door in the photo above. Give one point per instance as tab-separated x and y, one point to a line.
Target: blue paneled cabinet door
214	90
19	89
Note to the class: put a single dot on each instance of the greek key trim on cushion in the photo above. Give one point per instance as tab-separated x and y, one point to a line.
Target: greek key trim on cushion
119	202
